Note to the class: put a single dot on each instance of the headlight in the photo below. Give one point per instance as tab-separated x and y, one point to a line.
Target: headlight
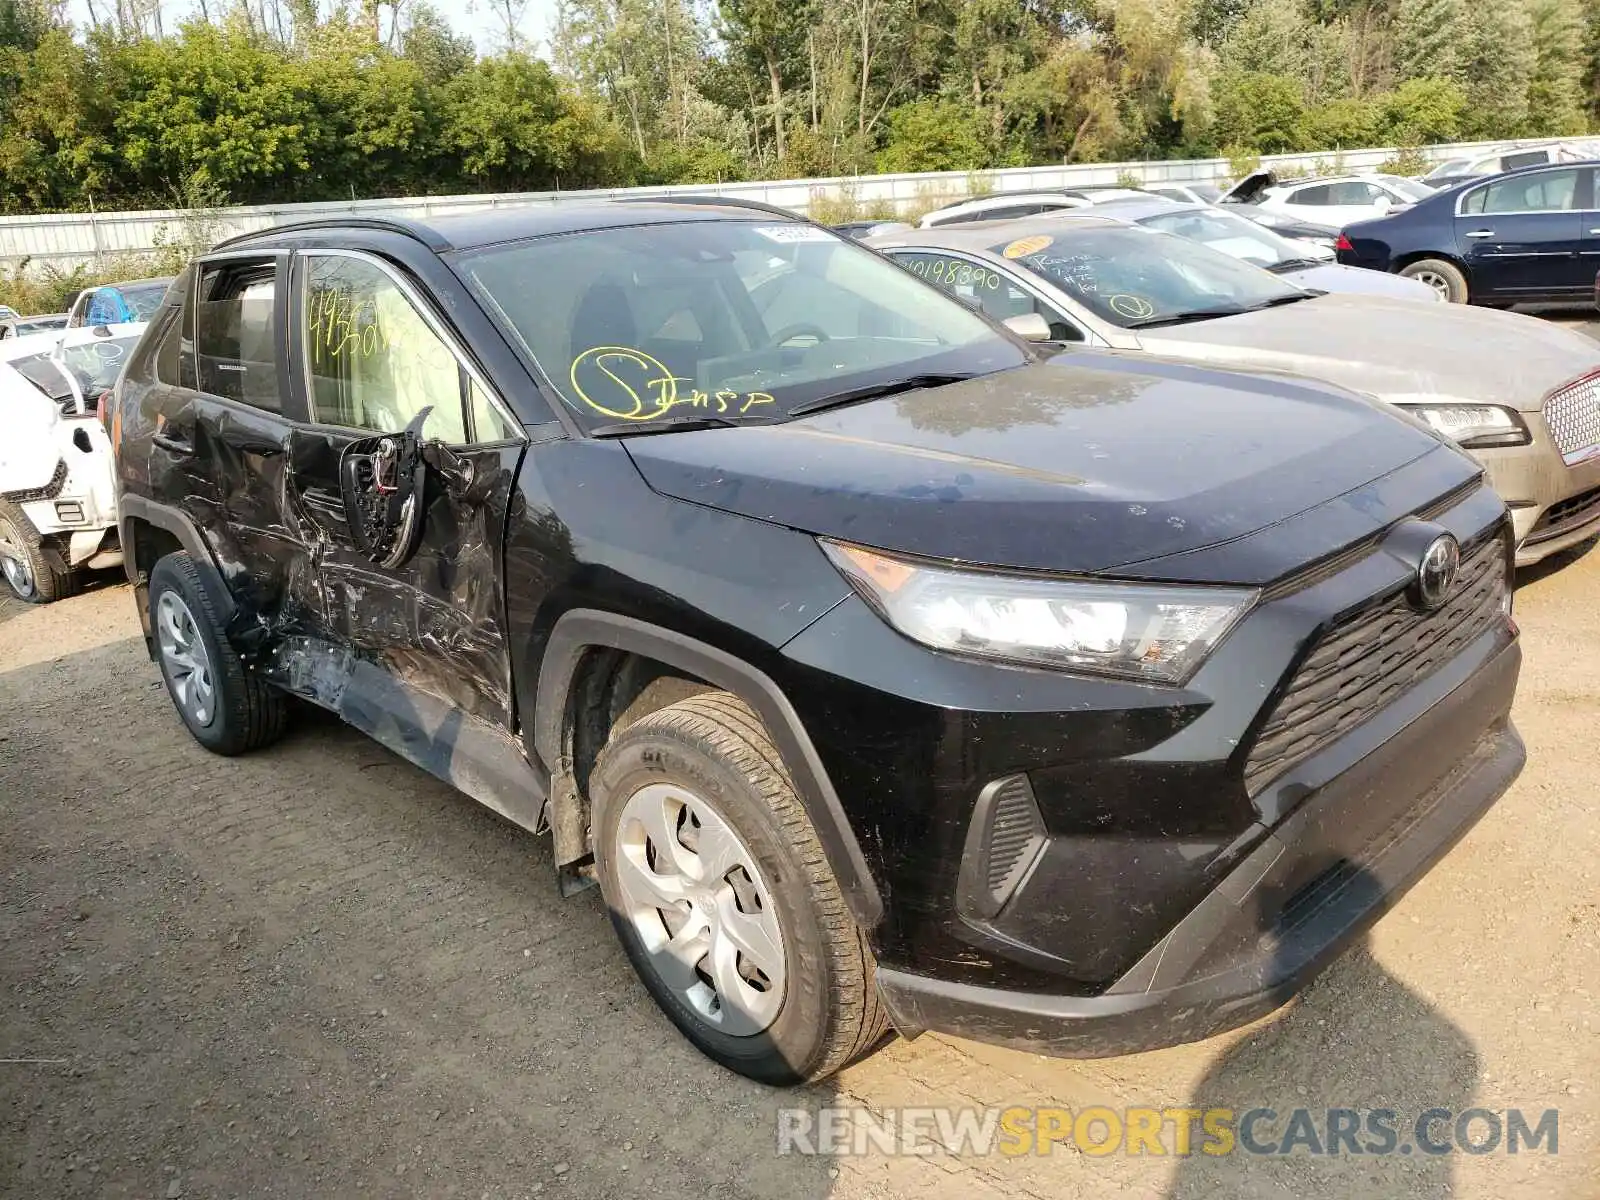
1149	632
1474	426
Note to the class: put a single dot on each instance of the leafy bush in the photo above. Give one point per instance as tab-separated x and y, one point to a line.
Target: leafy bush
933	135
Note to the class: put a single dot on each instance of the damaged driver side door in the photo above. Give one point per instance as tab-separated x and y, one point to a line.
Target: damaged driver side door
403	472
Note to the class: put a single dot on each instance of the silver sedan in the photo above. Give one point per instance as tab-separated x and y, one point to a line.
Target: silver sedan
1521	395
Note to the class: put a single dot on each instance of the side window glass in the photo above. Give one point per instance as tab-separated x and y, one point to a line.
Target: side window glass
488	423
236	334
1544	192
1472	204
1318	195
373	360
1528	158
997	296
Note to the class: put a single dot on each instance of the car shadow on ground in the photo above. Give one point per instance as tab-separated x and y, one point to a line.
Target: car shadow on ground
315	970
1361	1040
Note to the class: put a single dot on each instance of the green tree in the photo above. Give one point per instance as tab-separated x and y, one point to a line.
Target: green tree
1273	37
931	134
1498	59
1421	112
1555	91
1259	111
1343	124
1428	38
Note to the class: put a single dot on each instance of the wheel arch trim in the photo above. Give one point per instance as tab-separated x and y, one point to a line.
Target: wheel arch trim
582	629
133	508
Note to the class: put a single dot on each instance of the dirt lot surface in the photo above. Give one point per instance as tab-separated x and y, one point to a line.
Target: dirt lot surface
316	971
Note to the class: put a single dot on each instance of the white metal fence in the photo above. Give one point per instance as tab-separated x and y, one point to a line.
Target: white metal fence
65	240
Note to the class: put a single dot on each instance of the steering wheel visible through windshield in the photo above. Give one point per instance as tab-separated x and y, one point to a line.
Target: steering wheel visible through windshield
736	319
1133	277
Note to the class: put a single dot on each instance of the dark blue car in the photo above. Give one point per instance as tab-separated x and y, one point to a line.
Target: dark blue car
1526	236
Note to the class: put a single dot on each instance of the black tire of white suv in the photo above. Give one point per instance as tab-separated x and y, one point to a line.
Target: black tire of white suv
227	706
38	581
708	764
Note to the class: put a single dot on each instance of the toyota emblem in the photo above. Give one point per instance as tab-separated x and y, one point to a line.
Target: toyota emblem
1436	575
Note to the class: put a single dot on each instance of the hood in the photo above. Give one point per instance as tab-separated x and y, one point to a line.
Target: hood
1089	461
1248	188
1396	350
1357	281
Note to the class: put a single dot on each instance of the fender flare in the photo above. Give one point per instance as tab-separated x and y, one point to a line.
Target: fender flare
131	508
582	629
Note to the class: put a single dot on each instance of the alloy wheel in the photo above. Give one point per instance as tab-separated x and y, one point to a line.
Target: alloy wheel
14	561
702	909
184	653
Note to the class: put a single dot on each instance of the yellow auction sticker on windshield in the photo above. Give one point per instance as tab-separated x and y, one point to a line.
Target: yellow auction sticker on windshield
1023	247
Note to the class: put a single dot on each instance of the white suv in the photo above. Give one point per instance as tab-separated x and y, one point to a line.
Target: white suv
1334	201
58	510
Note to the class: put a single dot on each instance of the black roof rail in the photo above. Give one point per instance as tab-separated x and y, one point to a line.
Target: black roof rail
408	228
712	198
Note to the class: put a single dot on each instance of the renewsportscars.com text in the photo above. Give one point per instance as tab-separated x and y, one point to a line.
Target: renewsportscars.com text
1180	1132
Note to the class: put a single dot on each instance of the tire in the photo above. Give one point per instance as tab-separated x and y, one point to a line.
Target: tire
28	571
226	706
1443	277
711	755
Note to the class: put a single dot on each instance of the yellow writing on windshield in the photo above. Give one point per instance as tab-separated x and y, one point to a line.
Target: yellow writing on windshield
629	385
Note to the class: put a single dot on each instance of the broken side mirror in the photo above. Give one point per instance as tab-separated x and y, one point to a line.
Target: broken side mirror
383	481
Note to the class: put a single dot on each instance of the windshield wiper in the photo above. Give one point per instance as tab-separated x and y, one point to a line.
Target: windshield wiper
1297	264
672	425
893	387
1183	318
1292	298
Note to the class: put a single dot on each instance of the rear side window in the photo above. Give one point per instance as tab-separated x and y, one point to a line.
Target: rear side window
1547	191
1526	158
236	333
1318	194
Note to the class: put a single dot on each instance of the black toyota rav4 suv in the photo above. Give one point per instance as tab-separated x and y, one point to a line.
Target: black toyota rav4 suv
881	667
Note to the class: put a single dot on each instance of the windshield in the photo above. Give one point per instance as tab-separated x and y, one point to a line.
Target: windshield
1450	166
144	298
1229	233
94	364
1131	276
733	319
1407	187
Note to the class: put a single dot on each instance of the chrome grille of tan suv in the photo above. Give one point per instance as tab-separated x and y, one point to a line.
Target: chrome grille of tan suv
1572	414
1371	657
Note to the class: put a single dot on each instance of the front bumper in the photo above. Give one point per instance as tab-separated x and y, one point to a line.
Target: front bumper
1313	884
1553	506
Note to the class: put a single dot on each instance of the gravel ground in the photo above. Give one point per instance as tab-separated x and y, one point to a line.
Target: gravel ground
316	971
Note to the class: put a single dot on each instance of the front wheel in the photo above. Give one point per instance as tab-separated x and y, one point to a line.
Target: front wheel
723	899
26	568
1443	277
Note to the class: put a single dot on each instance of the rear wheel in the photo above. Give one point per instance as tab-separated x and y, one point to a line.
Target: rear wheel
722	896
227	707
1443	277
27	570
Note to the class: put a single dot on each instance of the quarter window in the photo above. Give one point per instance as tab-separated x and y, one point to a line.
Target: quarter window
374	362
1548	191
236	334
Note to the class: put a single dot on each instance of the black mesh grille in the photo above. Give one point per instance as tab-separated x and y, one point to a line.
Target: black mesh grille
1012	834
1566	514
1370	658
